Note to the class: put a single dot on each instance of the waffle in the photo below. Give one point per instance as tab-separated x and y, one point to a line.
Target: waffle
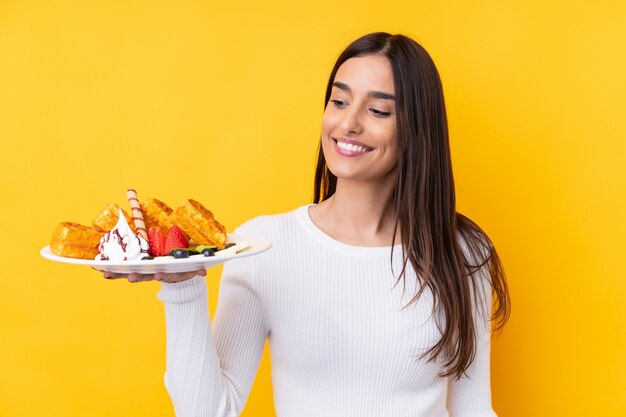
199	224
107	218
73	240
156	214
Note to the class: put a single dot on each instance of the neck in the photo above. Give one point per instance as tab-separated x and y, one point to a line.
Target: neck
359	213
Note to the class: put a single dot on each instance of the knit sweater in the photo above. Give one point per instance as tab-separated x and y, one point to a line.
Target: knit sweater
344	339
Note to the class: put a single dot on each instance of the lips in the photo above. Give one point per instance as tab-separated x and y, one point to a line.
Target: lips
350	147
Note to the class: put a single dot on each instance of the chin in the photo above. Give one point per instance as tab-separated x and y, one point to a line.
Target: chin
361	172
352	174
343	170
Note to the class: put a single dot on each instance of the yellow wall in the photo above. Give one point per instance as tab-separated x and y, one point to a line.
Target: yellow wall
222	103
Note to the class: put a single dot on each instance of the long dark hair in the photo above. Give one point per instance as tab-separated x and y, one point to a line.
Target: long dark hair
449	253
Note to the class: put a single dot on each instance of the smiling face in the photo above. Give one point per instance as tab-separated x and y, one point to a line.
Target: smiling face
359	124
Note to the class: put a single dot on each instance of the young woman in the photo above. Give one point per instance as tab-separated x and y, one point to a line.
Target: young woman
377	298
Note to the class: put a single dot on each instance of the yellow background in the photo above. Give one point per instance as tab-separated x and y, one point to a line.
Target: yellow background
222	102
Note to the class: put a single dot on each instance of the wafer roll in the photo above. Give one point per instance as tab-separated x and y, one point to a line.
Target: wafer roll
131	195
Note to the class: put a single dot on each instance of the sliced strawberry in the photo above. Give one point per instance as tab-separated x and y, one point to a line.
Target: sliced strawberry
156	240
175	239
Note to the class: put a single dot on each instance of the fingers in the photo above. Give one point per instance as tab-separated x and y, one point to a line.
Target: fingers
141	277
112	275
130	277
109	275
178	277
159	276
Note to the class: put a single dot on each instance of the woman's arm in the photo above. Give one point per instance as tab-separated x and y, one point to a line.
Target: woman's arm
210	373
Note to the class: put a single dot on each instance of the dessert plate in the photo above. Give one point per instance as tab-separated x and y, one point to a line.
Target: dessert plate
168	264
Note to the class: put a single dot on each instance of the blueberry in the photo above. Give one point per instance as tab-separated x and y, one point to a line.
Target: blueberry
147	258
180	253
208	252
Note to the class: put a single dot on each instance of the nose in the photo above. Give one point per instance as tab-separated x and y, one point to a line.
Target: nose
351	122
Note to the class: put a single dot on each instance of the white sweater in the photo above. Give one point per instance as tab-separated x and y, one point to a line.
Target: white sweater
341	344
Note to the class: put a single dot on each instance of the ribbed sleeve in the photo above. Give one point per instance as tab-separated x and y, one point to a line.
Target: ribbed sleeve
205	375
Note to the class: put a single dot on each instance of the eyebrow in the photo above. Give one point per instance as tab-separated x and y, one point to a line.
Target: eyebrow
375	94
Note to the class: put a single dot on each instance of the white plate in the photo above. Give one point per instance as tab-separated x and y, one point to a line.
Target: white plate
193	263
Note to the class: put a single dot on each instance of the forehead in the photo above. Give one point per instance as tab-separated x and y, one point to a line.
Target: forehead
367	73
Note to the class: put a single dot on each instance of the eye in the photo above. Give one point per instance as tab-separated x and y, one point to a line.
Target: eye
379	113
338	103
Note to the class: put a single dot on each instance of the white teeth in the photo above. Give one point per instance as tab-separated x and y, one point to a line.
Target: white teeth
350	147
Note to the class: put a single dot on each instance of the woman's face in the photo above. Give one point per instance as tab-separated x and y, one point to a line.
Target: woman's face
359	124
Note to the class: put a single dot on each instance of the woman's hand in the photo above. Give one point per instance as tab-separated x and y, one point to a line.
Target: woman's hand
159	276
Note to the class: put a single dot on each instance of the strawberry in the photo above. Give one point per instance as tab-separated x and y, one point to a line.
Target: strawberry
175	239
156	240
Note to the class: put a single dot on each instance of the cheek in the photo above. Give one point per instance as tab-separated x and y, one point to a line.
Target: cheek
331	120
386	134
326	123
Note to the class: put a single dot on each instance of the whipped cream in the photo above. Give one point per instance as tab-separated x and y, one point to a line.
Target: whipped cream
121	244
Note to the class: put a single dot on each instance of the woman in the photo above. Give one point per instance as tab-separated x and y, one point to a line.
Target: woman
352	329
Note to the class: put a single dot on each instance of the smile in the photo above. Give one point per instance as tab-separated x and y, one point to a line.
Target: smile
348	147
